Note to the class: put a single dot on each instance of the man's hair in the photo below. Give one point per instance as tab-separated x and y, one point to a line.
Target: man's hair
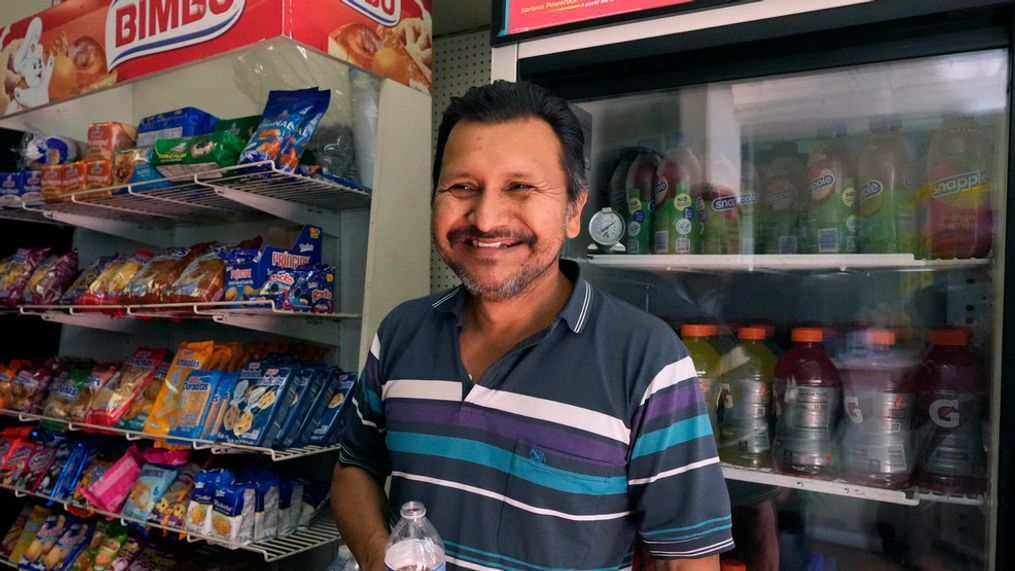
503	101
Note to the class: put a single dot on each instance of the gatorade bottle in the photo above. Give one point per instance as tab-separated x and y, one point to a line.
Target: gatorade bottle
706	364
878	399
828	210
807	396
676	223
638	188
720	200
960	221
770	340
887	180
617	189
782	180
744	435
951	405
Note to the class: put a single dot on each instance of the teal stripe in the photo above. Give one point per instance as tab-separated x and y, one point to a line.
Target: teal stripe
724	518
676	433
504	461
373	399
698	535
457	546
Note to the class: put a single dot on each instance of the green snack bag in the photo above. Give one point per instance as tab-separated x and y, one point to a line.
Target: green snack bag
86	561
189	155
242	127
116	535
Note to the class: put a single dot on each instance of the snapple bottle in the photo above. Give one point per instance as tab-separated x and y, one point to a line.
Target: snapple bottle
638	188
616	192
706	364
887	181
720	200
745	435
807	397
951	404
828	209
782	179
677	213
960	221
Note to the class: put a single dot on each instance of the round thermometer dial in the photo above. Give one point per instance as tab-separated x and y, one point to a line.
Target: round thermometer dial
606	228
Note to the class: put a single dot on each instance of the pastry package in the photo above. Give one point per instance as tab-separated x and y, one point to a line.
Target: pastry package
50	279
134	167
29	387
152	482
190	356
61	556
99	173
232	516
85	279
136	416
15	270
31	186
151	284
104	139
117	396
313	290
97	378
110	490
326	431
51	183
281	134
11	188
36	519
8	372
171	509
46	537
190	155
202	280
63	394
75	180
184	122
108	287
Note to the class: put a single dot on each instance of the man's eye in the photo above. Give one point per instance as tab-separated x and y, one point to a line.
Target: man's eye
520	186
460	190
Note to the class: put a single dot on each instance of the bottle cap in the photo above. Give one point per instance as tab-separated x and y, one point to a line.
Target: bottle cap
752	333
948	337
808	335
879	337
696	330
768	327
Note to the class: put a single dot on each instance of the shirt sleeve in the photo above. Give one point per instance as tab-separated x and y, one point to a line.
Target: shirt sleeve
362	432
674	477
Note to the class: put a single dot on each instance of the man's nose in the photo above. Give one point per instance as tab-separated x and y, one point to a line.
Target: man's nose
489	208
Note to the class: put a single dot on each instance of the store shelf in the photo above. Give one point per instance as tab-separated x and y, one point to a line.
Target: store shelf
196	443
18	210
963	500
4	561
321	328
320	532
777	262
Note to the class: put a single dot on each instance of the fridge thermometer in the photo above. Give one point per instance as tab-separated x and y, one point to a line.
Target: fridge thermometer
606	229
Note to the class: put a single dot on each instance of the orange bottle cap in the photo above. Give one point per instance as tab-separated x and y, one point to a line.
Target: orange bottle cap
879	337
949	337
752	333
695	330
808	335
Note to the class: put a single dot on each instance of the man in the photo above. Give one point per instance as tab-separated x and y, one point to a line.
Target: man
542	423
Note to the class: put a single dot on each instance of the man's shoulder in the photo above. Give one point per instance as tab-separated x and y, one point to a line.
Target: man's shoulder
414	312
618	318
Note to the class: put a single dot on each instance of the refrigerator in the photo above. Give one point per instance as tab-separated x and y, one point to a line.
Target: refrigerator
814	195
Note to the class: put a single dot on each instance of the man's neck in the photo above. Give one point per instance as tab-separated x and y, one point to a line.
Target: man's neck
525	314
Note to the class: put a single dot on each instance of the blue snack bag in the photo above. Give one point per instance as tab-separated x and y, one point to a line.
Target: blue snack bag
285	113
184	122
295	145
153	481
301	393
233	512
219	402
322	390
264	400
202	497
195	401
326	432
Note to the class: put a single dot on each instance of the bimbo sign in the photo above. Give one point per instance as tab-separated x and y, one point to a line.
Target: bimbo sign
386	12
136	28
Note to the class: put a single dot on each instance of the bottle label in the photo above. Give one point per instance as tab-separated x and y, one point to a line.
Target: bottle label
810	408
746	411
822	185
416	567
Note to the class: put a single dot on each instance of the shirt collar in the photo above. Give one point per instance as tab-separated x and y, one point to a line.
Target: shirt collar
575	312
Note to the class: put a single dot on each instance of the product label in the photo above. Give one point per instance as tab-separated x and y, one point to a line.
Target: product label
747	405
821	185
972	181
945	413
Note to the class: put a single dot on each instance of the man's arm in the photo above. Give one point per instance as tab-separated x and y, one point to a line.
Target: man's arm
703	564
358	504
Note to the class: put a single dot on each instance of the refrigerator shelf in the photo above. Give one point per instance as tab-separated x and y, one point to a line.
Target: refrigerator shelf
18	210
780	262
322	328
7	562
320	532
196	443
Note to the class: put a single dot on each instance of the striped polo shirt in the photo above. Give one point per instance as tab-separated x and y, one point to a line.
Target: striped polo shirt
579	439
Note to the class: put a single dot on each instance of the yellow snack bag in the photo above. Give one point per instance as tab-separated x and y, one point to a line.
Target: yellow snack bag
189	357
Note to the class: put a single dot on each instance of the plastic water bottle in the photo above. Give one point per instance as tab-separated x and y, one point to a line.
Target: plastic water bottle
344	561
414	544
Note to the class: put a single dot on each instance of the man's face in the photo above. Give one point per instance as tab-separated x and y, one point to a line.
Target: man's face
501	213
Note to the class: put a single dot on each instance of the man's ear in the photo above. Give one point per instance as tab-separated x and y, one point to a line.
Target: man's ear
574	214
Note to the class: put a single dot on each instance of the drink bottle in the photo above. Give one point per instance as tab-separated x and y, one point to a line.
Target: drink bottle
721	209
828	208
748	205
744	435
782	181
951	405
676	214
887	182
617	190
706	364
807	397
414	544
638	188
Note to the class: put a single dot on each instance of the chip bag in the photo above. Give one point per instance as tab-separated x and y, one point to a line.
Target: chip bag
64	393
50	532
50	279
86	560
151	484
116	397
195	403
137	414
116	536
285	114
81	283
189	357
62	555
171	509
107	288
15	270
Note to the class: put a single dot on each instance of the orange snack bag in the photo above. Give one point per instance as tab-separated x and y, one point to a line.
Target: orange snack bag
189	357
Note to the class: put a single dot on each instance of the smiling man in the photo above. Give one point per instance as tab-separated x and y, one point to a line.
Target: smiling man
542	423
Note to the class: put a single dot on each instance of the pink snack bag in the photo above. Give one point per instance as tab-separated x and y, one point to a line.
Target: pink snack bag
110	491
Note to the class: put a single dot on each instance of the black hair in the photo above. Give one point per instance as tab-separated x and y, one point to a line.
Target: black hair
503	101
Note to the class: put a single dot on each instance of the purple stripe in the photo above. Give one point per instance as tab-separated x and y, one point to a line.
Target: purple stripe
683	395
596	451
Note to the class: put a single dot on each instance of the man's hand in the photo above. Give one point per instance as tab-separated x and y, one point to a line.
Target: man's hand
703	564
358	504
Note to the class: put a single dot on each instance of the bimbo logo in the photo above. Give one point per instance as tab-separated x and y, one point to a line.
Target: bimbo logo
958	183
387	12
871	189
136	28
724	203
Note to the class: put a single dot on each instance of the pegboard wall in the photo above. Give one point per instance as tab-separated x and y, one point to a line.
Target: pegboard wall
460	61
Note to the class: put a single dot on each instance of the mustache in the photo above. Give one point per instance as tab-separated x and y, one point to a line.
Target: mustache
473	233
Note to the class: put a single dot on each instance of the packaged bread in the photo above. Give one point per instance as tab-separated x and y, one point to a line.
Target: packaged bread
106	138
116	397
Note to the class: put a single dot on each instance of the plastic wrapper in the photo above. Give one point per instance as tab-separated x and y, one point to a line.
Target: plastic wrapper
315	496
50	279
108	287
190	155
287	123
17	461
63	553
15	270
184	122
8	372
110	490
266	505
136	416
128	553
64	394
116	396
151	284
259	396
190	356
29	388
61	458
46	537
104	139
38	464
202	497
171	509
195	403
233	507
243	127
86	560
365	103
203	280
286	523
116	536
38	149
313	290
217	408
85	279
134	166
33	524
326	431
67	480
302	394
14	531
97	379
151	484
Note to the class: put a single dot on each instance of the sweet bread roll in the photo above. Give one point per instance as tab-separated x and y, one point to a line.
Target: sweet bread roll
355	43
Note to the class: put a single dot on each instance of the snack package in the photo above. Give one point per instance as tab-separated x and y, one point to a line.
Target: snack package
11	188
313	290
116	537
64	393
203	280
185	122
85	279
151	283
62	555
152	482
285	502
240	280
51	183
195	402
266	505
37	466
75	179
96	380
99	173
295	503
36	519
29	387
171	509
326	432
93	470
130	551
157	558
303	430
264	401
285	114
202	497
115	398
17	461
106	289
294	147
167	458
38	149
111	489
104	139
46	537
70	473
301	395
137	414
232	516
86	560
15	270
315	496
7	374
50	279
243	127
134	167
219	402
61	456
189	357
189	155
14	532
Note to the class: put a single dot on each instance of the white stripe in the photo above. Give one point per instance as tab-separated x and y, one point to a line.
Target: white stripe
585	308
693	552
469	565
445	298
510	501
672	374
675	471
551	411
423	390
364	421
375	347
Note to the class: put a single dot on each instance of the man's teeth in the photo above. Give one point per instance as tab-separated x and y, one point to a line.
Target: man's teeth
501	244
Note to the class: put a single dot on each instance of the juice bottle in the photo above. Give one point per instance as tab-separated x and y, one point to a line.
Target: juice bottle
676	222
706	363
782	180
828	210
878	401
951	406
638	188
887	180
807	397
770	341
744	435
720	203
617	189
960	221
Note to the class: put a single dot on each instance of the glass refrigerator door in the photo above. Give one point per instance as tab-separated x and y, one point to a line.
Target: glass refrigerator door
828	246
